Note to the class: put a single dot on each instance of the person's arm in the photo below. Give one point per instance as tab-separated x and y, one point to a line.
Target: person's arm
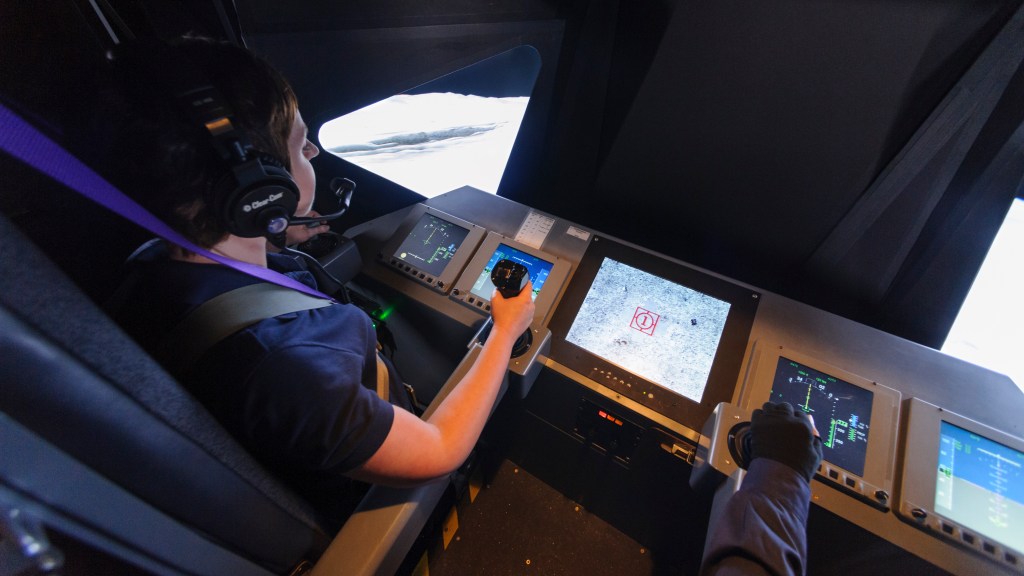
763	529
416	450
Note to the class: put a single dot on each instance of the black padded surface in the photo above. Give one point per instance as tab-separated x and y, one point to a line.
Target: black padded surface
78	381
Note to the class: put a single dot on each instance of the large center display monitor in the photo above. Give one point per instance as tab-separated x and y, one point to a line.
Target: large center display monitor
665	335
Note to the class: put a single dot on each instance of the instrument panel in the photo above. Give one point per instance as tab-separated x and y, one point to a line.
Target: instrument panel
964	483
709	340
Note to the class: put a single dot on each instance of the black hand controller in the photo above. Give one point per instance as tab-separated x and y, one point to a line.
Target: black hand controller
780	433
509	277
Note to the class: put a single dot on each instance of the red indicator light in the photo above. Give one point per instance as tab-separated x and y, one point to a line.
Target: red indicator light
602	413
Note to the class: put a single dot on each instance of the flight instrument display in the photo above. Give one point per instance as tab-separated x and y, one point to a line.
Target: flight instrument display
431	244
980	485
841	411
539	270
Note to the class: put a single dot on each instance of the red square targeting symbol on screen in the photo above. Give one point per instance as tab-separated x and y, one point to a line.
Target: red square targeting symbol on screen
644	320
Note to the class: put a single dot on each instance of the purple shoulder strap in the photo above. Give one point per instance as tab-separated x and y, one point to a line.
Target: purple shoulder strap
24	142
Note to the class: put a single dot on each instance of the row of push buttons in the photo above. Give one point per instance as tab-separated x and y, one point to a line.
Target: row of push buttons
871	494
414	272
954	531
479	303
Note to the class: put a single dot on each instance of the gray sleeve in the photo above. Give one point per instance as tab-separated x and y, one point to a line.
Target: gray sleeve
763	529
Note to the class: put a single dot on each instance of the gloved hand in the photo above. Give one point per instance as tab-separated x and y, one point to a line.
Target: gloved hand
780	434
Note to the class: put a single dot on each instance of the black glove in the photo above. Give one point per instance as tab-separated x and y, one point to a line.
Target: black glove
779	434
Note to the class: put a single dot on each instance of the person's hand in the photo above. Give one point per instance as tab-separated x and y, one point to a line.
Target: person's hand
299	233
513	315
778	433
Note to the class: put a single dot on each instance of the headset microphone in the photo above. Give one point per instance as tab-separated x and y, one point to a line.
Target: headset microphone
343	189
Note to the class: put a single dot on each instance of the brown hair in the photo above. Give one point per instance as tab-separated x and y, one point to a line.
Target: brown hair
166	161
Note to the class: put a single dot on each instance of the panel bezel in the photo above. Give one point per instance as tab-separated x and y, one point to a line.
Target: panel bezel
446	280
728	361
918	475
875	485
548	294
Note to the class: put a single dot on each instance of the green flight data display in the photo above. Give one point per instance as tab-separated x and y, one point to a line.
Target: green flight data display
841	410
431	244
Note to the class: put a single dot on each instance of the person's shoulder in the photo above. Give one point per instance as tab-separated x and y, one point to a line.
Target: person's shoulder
338	328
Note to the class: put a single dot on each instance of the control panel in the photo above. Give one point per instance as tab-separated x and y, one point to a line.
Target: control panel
431	247
856	417
963	482
547	272
673	344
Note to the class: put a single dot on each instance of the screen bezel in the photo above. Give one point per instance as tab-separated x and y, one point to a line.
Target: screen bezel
728	359
881	452
548	294
444	281
920	466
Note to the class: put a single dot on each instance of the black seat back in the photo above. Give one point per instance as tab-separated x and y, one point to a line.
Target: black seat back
75	379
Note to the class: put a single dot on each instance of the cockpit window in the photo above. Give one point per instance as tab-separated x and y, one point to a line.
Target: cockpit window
987	332
457	130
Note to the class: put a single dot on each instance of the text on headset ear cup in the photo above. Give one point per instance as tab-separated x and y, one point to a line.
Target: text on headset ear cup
255	197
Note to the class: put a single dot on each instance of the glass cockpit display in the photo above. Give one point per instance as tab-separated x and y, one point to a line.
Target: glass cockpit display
963	482
657	332
980	485
431	244
539	270
841	411
664	332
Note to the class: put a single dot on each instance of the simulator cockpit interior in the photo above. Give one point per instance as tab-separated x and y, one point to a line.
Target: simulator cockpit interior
711	206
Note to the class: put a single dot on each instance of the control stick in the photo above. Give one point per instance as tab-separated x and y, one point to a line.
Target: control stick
509	278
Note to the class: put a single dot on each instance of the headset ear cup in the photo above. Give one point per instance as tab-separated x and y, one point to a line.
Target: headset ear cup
255	198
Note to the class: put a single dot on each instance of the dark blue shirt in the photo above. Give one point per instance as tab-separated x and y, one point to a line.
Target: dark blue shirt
297	390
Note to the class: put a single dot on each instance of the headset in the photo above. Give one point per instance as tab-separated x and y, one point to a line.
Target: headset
255	196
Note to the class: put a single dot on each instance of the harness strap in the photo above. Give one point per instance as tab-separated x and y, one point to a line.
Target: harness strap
220	317
23	141
383	389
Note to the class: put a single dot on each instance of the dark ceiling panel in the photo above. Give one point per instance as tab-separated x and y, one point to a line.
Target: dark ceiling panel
260	16
760	124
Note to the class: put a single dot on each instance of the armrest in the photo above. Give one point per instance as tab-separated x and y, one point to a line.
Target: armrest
381	531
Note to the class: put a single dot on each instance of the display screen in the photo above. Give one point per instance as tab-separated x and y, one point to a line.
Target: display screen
980	485
431	244
841	411
539	269
659	330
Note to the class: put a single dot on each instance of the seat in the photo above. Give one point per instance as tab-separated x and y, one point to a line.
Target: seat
80	397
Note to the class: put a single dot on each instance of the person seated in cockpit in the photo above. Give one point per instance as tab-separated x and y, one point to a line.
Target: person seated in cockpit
298	390
763	528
